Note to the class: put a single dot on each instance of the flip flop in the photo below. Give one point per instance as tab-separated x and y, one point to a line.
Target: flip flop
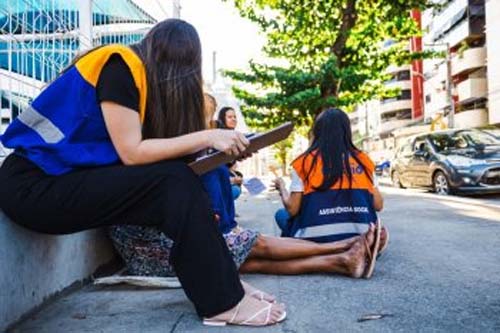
383	244
372	252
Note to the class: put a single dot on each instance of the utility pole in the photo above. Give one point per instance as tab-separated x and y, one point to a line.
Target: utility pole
85	24
176	8
449	88
214	66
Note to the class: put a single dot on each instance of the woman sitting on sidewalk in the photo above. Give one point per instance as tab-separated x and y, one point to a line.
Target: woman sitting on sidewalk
107	142
333	195
143	248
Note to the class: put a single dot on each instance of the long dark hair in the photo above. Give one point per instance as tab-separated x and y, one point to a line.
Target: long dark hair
171	53
332	142
222	115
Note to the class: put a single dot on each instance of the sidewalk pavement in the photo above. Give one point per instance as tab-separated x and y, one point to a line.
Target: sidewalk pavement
440	273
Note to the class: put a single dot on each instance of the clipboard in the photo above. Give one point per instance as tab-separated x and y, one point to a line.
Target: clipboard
257	142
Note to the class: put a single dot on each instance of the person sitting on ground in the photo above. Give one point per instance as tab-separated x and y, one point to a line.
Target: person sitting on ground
333	195
227	119
107	143
253	252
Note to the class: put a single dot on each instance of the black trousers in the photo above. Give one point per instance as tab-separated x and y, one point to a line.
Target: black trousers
167	194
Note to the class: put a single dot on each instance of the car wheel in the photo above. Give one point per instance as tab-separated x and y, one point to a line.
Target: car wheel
441	184
396	181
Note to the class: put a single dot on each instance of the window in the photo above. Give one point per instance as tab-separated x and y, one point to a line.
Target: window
405	150
404	95
421	145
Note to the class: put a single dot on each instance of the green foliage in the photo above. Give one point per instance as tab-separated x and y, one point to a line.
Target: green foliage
334	51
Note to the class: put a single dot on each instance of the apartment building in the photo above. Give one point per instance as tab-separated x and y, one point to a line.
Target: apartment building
466	77
492	8
459	29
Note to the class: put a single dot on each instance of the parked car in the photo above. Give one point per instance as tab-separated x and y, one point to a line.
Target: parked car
451	161
382	168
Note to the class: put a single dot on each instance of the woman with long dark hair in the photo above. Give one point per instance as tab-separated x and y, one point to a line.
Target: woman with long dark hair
332	196
146	251
107	142
227	119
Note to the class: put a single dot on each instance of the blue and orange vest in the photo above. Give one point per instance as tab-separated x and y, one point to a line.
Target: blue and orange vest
63	129
338	213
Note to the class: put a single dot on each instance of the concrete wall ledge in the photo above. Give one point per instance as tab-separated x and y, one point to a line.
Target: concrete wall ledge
34	267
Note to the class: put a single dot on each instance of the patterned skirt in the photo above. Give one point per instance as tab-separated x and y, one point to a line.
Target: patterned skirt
240	242
146	250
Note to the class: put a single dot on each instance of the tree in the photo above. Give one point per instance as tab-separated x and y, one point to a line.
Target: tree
333	53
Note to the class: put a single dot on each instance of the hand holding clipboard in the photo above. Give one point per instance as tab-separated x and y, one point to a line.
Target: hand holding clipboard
257	142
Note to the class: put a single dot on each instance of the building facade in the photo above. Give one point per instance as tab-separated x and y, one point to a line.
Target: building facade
461	78
462	86
492	8
39	38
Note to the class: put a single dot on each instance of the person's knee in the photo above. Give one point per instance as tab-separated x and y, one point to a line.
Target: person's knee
281	217
236	191
262	246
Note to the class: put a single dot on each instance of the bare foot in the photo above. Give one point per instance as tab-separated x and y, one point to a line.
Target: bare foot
342	245
249	312
257	293
355	258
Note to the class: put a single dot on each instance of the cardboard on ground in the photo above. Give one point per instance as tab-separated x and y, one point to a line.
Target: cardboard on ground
257	142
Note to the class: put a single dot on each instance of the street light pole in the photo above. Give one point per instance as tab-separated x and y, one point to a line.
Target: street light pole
176	8
449	88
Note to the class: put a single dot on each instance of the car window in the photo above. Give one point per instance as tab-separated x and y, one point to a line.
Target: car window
478	138
421	145
462	140
405	150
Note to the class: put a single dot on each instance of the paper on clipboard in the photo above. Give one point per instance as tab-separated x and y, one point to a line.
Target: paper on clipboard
254	186
257	141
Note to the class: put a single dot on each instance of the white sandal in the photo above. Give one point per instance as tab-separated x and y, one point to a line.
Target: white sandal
260	295
247	322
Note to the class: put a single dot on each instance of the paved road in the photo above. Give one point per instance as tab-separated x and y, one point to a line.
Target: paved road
440	274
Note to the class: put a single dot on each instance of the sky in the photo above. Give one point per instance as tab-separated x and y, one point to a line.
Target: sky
234	39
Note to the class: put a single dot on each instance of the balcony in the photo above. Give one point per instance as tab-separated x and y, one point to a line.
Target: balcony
471	89
471	118
403	85
390	125
438	101
469	61
395	68
462	22
390	106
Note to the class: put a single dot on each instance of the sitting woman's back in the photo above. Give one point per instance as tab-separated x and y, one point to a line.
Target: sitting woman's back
332	194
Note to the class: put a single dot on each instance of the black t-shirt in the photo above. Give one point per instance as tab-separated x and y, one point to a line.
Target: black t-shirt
116	84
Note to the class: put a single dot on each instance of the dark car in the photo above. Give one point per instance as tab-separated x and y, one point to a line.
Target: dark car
465	161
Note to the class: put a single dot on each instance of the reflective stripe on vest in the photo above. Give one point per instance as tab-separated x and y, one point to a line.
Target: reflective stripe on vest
339	212
331	229
64	129
41	125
